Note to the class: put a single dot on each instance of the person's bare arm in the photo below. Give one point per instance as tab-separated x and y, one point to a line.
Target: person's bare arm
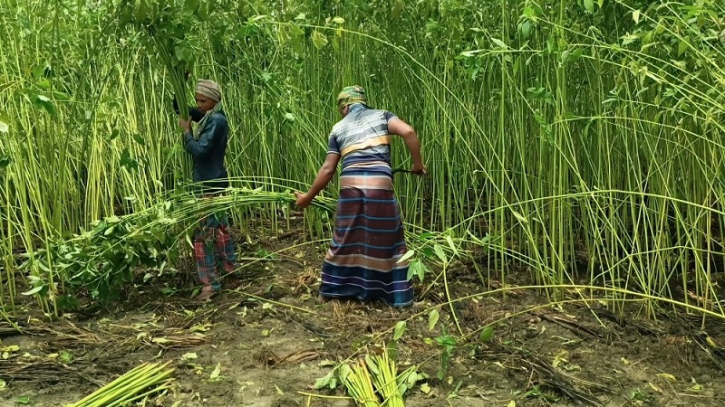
402	129
324	175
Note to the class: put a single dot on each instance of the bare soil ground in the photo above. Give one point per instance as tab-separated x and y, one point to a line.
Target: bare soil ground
271	341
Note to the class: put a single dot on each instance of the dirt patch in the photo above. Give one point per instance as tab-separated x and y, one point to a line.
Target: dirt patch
269	341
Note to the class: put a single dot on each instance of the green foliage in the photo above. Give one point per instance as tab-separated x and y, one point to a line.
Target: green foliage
102	261
174	33
117	250
574	140
447	345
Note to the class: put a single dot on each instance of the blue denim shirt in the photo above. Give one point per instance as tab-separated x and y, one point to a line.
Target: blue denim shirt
208	152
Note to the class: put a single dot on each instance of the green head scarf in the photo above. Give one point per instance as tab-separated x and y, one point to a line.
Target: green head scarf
351	95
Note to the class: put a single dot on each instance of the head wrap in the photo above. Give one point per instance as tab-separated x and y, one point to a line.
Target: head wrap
351	95
209	89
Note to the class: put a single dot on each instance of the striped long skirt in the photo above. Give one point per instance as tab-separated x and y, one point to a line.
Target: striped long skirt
368	242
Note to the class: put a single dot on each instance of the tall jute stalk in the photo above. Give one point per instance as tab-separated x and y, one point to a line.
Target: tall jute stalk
571	140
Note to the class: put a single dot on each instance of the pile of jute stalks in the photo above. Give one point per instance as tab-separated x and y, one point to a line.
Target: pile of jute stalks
373	381
143	381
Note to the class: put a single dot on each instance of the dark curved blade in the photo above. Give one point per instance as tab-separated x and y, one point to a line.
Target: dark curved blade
397	170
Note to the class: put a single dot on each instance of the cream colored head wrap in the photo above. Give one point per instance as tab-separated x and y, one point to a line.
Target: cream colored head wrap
209	89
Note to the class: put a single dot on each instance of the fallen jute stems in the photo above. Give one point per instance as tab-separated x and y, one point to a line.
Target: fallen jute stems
142	381
385	379
375	377
359	384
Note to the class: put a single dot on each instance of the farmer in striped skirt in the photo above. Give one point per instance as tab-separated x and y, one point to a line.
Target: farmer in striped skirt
212	240
369	239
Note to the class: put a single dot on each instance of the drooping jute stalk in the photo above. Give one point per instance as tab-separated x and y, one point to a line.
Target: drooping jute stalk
142	381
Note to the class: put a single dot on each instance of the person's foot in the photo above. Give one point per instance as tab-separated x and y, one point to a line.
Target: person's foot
322	299
206	294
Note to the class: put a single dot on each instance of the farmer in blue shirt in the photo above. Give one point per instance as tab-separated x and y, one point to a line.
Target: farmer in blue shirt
212	237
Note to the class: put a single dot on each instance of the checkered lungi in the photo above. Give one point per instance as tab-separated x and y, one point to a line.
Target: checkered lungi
214	246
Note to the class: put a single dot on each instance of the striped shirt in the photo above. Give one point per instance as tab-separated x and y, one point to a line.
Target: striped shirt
361	138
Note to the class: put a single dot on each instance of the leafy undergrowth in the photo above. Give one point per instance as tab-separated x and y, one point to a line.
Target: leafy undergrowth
267	342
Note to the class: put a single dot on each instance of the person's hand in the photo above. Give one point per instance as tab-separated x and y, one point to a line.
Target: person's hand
185	124
303	201
418	169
